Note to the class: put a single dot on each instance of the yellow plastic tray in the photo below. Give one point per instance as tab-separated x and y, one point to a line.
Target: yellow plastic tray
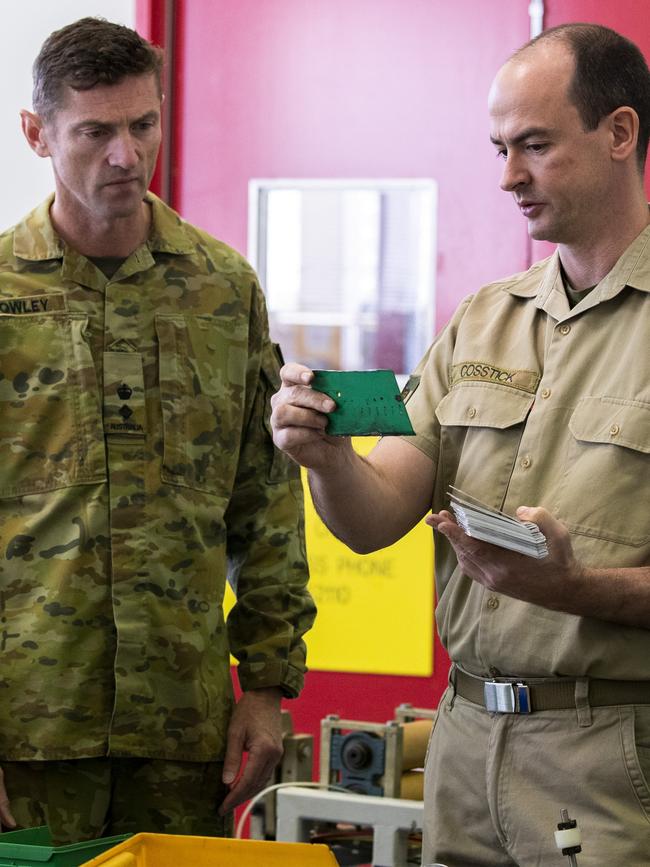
168	850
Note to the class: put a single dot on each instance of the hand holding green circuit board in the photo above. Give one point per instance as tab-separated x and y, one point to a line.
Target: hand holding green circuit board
368	402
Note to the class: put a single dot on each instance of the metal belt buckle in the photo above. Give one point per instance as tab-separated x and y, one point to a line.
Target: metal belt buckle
506	697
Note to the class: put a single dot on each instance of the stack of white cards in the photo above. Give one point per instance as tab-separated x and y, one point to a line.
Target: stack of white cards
491	525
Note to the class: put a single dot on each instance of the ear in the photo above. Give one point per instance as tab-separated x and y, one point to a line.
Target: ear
624	130
34	132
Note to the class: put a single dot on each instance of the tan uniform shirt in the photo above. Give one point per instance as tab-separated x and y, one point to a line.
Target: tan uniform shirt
524	401
137	472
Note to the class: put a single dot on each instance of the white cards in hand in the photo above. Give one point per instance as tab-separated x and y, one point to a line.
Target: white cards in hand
491	525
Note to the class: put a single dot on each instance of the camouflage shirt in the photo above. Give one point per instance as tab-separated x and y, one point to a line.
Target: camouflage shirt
137	473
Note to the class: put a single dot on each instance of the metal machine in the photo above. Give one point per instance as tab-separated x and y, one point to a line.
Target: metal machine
382	759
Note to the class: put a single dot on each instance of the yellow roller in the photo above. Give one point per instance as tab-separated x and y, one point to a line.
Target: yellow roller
412	786
414	745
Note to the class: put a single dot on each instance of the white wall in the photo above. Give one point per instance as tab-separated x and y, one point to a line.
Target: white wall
25	179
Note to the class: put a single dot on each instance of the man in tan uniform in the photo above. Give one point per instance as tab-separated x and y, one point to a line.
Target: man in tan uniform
535	399
137	473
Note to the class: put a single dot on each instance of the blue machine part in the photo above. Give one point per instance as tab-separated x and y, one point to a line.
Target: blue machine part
359	759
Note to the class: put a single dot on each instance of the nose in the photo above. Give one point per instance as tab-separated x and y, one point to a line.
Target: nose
123	152
514	173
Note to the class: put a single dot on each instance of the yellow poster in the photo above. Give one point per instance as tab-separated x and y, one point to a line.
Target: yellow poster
375	611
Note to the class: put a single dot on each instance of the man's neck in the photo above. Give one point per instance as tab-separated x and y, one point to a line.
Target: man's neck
586	264
94	237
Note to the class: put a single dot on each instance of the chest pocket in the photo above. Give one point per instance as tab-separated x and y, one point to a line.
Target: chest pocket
50	419
203	362
481	427
606	482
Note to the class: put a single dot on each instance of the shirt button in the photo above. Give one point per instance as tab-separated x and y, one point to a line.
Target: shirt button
614	430
546	392
526	462
564	329
471	412
493	603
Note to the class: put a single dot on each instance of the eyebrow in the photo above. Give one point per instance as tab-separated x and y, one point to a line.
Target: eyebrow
530	132
150	115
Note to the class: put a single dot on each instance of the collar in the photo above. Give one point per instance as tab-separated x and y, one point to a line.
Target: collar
544	280
35	238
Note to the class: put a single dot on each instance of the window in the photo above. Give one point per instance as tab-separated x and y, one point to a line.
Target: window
348	268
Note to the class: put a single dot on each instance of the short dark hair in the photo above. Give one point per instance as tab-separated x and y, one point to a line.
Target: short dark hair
610	72
89	52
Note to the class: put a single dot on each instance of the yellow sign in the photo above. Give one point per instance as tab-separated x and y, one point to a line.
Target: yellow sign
375	611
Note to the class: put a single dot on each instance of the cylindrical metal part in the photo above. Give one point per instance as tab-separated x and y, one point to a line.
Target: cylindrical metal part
414	744
412	786
356	754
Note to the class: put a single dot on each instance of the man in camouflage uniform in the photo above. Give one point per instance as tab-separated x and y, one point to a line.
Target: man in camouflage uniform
136	472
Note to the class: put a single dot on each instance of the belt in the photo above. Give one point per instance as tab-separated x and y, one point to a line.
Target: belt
520	696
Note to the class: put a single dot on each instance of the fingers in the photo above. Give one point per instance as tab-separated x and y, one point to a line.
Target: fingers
301	396
532	513
542	517
296	404
557	536
257	774
234	754
299	417
296	374
6	818
256	725
436	519
298	407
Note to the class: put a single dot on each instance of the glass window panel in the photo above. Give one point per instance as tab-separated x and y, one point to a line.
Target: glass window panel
348	269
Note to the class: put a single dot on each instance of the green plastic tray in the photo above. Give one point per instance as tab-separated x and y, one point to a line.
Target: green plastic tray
33	847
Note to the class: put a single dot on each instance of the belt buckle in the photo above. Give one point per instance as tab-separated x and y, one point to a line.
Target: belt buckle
506	697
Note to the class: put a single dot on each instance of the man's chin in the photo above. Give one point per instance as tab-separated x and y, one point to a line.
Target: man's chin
122	210
539	232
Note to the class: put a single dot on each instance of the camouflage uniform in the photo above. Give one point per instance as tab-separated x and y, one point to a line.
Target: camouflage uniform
83	799
136	472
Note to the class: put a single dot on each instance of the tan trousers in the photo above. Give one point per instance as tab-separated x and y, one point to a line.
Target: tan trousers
495	785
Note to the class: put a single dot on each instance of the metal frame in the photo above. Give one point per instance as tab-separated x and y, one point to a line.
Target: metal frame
405	712
391	819
393	735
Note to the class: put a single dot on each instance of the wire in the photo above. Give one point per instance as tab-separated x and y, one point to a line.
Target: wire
258	797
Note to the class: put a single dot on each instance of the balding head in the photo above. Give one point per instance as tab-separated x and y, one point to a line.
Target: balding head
540	74
564	177
609	71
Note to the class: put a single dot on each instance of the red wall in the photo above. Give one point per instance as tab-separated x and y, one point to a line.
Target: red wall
358	88
369	88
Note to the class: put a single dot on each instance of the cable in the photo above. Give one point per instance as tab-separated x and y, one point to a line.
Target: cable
273	788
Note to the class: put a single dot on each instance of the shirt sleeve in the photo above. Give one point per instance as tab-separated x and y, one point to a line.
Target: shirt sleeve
266	539
429	383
